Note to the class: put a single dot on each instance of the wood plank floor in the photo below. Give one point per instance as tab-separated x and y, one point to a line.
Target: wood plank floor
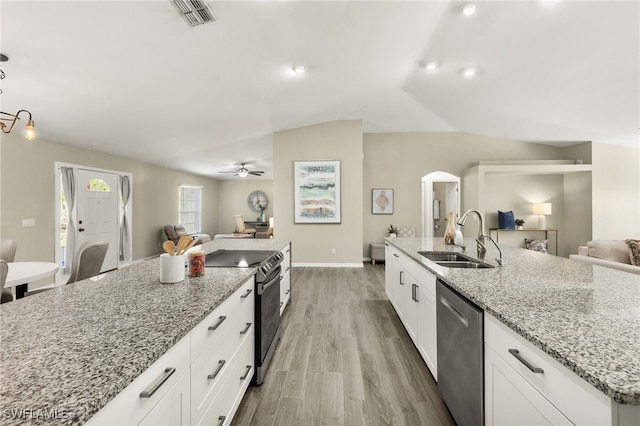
344	358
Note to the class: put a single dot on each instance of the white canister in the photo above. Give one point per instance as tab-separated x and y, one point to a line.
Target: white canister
172	268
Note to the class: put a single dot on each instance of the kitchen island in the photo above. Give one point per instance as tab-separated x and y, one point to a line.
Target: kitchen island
587	318
67	352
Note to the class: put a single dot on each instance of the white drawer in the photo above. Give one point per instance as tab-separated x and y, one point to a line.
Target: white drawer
234	383
128	407
213	328
574	397
209	371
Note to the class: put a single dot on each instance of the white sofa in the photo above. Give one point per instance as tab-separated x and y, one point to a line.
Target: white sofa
609	253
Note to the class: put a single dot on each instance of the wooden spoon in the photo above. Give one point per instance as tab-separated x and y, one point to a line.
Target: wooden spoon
191	244
169	247
182	243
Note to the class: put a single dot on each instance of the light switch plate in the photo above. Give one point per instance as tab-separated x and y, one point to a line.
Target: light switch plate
28	223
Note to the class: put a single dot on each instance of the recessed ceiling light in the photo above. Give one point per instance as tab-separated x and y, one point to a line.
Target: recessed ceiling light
432	65
469	72
469	9
300	69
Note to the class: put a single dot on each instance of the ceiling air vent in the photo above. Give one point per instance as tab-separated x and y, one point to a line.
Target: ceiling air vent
195	12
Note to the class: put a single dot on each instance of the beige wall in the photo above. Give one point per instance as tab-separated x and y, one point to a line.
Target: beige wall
233	196
312	243
395	161
400	160
616	191
27	170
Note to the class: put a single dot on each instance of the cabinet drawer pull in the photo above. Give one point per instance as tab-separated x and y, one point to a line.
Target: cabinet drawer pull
246	294
221	420
516	354
156	385
414	292
217	324
401	277
246	328
281	304
287	292
215	373
246	373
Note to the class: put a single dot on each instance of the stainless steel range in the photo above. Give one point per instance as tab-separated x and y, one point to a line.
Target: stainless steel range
267	306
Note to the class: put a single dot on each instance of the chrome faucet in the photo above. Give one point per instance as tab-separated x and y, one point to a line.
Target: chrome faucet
482	250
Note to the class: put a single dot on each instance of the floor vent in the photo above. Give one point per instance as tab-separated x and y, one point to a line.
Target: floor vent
195	12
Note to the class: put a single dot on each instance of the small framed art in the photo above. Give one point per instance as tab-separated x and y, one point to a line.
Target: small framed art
382	201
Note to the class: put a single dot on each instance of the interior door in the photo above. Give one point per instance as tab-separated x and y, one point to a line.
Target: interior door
97	211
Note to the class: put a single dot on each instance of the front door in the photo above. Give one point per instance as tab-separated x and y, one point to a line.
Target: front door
97	211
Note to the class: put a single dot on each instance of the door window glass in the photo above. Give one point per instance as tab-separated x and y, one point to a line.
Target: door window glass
98	185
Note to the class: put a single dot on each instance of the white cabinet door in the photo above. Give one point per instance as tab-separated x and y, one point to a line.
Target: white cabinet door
388	270
173	408
285	279
511	400
396	283
409	306
427	327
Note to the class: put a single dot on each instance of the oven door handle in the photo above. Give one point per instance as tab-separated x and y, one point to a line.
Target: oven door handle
265	286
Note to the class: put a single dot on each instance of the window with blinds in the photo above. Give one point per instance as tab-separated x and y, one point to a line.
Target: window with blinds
190	208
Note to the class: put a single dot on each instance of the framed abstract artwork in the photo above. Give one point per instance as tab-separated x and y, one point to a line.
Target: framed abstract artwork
316	191
382	201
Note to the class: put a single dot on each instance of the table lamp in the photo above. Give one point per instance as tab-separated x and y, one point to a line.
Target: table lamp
542	209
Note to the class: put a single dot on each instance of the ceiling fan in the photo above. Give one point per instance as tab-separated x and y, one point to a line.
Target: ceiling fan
242	171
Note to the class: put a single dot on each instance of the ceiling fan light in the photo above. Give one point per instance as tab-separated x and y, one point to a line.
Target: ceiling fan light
30	131
243	172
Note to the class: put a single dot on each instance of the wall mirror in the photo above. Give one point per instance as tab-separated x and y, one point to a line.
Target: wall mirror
440	195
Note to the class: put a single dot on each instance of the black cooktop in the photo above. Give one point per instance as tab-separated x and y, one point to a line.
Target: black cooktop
237	258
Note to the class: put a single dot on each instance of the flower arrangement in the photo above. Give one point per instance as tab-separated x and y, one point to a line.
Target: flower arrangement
392	230
519	223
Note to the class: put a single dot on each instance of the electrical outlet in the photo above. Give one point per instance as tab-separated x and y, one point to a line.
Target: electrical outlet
333	251
28	223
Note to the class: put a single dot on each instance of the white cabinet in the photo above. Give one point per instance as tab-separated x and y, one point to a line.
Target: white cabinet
427	327
230	333
512	400
388	269
173	408
201	379
524	385
285	279
412	291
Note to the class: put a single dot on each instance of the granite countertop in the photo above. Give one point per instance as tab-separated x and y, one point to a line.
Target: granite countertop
586	317
70	350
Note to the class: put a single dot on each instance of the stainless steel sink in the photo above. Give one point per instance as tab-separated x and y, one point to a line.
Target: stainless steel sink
454	260
446	257
463	264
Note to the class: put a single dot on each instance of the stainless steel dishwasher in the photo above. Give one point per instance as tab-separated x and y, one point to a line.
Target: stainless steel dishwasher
460	356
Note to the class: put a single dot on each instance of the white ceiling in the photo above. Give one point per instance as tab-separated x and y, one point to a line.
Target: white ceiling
133	79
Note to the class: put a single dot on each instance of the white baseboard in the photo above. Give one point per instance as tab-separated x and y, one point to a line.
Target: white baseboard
327	265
